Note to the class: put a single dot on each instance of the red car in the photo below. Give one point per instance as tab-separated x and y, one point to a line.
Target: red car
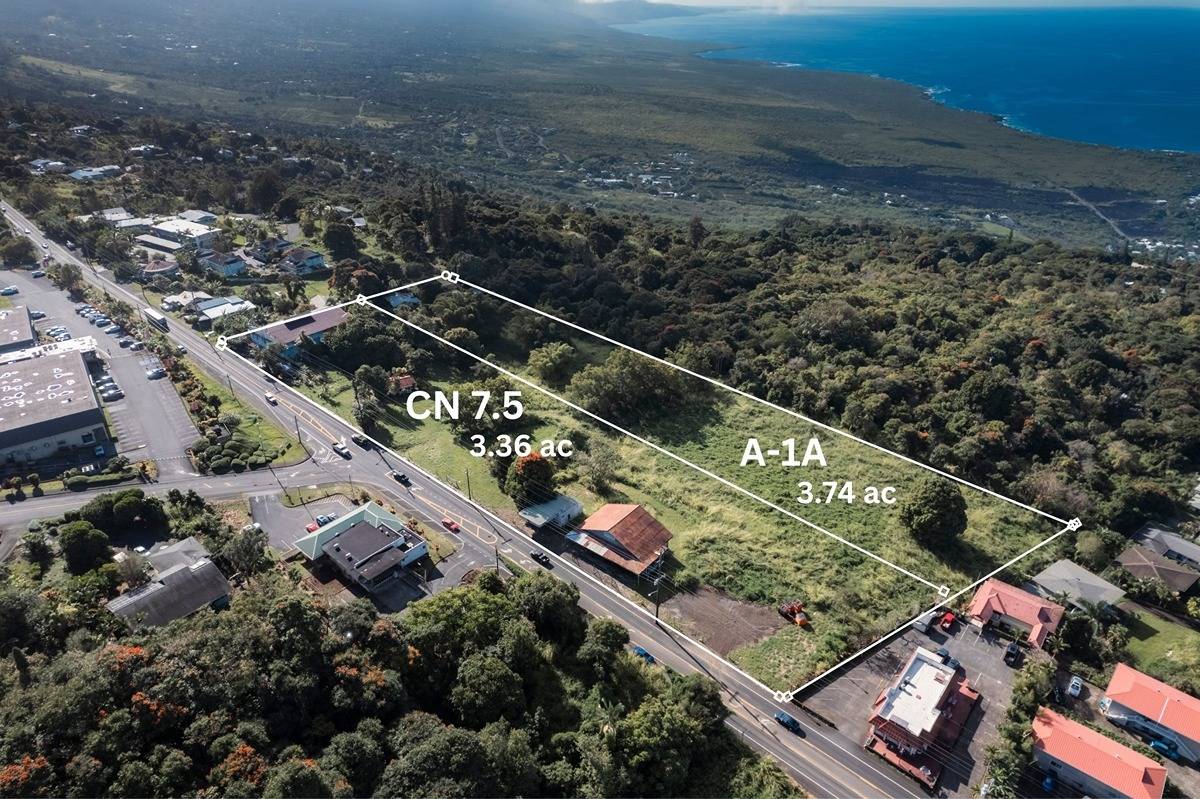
312	527
947	621
451	525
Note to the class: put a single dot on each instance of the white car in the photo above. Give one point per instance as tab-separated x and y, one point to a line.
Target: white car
1075	687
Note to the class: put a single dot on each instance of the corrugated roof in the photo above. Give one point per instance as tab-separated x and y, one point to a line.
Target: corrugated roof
1155	700
995	596
628	535
1117	766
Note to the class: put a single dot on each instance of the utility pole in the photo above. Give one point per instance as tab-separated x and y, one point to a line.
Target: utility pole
496	550
657	589
471	498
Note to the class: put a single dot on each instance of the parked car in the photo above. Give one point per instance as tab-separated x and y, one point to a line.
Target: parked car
125	341
947	621
1075	686
788	722
399	477
8	291
137	345
361	440
312	527
340	449
923	623
38	273
63	337
37	314
1012	654
541	557
113	395
450	525
943	653
641	652
155	373
101	321
325	518
113	329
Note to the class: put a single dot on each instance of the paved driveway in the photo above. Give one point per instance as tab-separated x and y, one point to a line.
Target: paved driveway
283	525
846	698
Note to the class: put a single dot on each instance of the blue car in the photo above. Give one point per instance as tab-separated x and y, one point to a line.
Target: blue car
644	655
789	722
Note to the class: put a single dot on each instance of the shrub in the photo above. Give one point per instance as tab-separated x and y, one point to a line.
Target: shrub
238	465
220	465
76	483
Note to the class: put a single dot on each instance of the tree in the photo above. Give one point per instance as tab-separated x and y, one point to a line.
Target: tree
486	690
597	465
553	362
265	190
603	643
297	779
245	552
553	607
935	513
339	239
696	232
17	251
530	480
133	570
36	548
357	758
83	546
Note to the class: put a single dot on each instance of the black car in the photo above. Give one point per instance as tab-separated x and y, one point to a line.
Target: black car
1012	654
789	723
361	440
541	557
399	477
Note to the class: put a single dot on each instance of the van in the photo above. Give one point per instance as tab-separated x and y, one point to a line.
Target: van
925	621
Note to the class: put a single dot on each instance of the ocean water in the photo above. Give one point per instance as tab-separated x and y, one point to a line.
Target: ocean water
1128	77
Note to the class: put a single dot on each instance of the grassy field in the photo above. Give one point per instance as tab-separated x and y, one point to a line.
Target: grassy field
253	424
1161	647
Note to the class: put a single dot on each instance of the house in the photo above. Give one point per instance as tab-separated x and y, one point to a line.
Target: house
185	580
111	216
158	244
289	333
401	384
1146	564
368	546
557	512
225	264
1091	763
41	166
82	130
137	225
211	310
160	268
184	300
199	217
625	535
145	151
269	249
300	261
921	713
190	234
1169	545
88	174
998	603
1149	707
1080	586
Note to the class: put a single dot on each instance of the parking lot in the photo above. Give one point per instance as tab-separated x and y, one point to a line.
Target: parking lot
847	697
150	421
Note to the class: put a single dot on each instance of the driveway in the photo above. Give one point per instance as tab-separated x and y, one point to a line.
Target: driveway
846	698
283	525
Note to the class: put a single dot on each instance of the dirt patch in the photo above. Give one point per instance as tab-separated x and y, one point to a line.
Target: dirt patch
719	620
234	513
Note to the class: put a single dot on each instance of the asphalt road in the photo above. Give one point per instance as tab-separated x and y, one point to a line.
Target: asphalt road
824	762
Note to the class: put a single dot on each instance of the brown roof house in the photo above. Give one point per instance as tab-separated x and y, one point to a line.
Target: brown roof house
1146	564
625	535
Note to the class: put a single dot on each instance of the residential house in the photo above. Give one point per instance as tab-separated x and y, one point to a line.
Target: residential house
1077	584
1092	763
1003	605
921	714
1170	545
225	264
111	216
160	267
624	535
158	244
138	225
557	512
82	130
402	299
1149	707
145	151
269	249
184	300
301	261
41	166
185	580
210	311
1146	564
289	333
368	546
91	173
401	384
197	216
189	234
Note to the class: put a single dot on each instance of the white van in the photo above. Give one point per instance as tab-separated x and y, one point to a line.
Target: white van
925	621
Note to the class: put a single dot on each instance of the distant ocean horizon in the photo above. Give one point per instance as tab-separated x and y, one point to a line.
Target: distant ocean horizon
1127	77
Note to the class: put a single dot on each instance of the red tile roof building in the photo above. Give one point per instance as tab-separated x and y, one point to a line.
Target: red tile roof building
626	535
1093	763
1151	707
999	603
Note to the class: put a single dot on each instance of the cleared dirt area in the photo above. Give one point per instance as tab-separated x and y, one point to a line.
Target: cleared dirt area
722	622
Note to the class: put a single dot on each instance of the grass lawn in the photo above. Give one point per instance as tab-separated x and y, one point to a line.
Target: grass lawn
1163	648
252	424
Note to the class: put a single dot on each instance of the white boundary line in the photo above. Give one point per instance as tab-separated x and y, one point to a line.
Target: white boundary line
358	299
454	278
943	590
783	697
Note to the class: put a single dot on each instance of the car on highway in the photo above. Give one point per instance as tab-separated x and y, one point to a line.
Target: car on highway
38	273
37	314
450	524
8	291
155	373
542	558
361	440
45	246
270	398
641	652
788	722
27	231
1075	686
340	449
399	477
180	350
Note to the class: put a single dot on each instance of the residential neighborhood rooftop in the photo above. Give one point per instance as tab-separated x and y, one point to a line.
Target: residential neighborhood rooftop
1145	563
1125	771
997	598
1155	700
627	535
914	701
1067	578
292	330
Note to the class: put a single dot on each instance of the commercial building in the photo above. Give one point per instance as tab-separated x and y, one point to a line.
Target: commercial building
47	407
922	712
185	580
1000	604
288	334
16	329
624	535
1077	584
1150	707
187	233
557	512
368	546
84	345
1091	763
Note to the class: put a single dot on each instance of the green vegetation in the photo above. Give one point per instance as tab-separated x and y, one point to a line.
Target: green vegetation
1012	753
1166	649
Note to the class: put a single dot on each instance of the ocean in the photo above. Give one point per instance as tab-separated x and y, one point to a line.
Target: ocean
1128	77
